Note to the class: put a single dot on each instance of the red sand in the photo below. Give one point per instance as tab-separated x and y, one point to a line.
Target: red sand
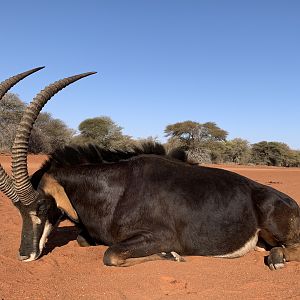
68	271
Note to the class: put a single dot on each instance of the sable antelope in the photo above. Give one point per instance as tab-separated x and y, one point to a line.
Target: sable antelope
144	206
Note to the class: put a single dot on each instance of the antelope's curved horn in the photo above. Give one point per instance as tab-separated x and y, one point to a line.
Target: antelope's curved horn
23	186
10	82
6	183
7	187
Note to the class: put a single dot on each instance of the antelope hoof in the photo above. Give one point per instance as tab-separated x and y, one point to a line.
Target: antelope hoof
173	256
82	242
276	259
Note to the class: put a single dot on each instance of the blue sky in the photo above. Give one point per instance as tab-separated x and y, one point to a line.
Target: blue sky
236	63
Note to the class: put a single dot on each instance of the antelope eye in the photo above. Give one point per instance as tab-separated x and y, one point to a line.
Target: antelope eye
41	208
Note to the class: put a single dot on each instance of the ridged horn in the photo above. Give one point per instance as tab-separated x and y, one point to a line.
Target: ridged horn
6	85
6	183
7	187
23	187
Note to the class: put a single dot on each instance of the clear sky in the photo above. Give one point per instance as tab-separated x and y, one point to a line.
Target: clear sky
236	63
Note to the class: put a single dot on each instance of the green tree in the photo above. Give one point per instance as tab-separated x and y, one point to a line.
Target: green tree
271	153
294	158
182	133
104	132
191	133
237	151
47	133
217	151
11	110
204	143
212	132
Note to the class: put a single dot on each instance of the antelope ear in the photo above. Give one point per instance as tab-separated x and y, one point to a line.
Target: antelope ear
51	187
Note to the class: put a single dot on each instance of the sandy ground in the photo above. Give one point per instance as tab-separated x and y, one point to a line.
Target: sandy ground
67	271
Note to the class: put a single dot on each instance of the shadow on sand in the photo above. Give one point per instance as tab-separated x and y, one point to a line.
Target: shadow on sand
59	237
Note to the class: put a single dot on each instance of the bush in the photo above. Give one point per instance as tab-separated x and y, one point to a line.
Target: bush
237	151
104	132
270	153
47	133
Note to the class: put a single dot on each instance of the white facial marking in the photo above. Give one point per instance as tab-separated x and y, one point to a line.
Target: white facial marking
243	250
31	257
47	229
34	218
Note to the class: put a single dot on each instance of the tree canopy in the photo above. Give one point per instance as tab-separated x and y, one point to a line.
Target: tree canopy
271	153
47	134
11	110
190	133
238	151
207	143
203	142
102	131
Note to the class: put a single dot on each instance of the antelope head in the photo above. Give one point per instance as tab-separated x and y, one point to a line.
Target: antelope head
39	208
